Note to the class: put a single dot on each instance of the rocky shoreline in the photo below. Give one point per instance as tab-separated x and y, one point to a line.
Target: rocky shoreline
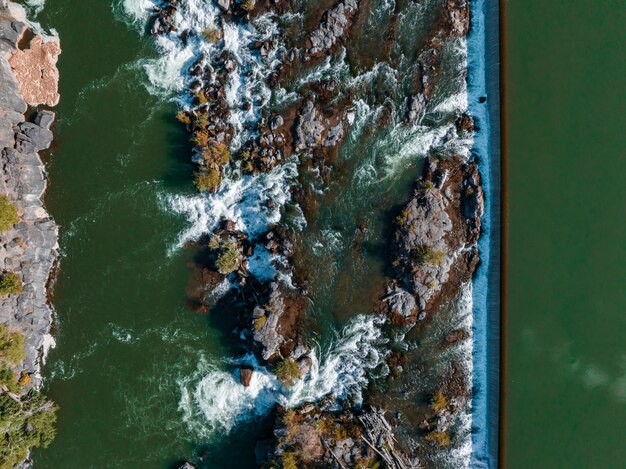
29	80
434	243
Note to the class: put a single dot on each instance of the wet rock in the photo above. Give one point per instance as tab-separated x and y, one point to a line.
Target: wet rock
417	108
309	128
305	363
455	336
245	375
223	4
401	304
276	122
333	27
45	119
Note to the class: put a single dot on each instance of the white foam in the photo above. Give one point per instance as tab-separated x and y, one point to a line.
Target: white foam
253	202
215	400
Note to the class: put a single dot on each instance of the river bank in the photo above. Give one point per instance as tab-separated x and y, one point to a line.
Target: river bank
29	77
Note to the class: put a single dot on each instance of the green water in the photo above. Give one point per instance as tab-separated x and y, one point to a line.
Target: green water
567	367
125	334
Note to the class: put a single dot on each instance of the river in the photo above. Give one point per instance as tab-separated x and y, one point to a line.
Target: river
140	378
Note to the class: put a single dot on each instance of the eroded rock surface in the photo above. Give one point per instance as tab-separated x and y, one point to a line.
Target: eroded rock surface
30	248
36	71
435	240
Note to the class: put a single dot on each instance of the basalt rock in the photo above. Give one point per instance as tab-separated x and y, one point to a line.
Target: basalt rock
278	324
434	243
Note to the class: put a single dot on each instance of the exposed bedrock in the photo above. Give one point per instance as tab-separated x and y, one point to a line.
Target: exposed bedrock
434	243
309	437
29	249
333	28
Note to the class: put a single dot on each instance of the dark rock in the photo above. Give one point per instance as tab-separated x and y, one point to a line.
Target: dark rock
455	336
45	119
245	375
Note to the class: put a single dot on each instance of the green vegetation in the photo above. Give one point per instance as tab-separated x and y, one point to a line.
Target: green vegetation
289	460
11	346
216	152
402	218
441	438
288	371
212	34
200	138
246	161
26	420
429	255
439	402
248	5
428	185
371	463
8	214
8	379
183	117
207	179
259	322
201	97
229	259
11	284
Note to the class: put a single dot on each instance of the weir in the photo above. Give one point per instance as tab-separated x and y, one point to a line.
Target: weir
484	83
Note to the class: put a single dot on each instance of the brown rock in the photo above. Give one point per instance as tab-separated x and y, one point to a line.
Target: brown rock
245	374
36	71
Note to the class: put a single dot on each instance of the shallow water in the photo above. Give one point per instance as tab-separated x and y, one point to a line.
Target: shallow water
141	379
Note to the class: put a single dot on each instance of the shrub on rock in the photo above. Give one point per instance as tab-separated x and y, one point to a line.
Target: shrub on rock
11	345
288	371
207	180
11	284
8	214
229	259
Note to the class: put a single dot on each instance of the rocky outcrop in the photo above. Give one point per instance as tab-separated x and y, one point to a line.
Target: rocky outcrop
36	71
30	248
333	27
434	243
309	437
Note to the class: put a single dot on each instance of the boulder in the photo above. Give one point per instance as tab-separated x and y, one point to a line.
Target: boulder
245	375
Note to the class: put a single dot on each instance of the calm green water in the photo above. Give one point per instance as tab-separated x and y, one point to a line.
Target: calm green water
567	356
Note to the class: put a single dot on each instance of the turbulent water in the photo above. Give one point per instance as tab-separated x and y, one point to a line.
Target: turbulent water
198	385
